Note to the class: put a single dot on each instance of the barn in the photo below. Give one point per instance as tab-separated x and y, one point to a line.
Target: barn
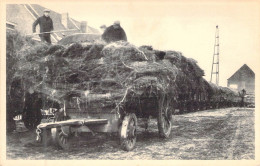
243	78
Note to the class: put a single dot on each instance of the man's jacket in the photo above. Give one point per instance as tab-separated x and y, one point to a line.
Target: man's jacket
112	34
46	24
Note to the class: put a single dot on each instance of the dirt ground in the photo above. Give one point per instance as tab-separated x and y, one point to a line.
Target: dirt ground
224	134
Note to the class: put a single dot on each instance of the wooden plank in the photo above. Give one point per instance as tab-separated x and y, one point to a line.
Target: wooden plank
72	122
95	121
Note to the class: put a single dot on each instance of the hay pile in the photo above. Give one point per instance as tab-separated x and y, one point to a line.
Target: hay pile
14	88
109	75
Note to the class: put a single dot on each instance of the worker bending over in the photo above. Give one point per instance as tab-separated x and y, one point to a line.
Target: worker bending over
114	33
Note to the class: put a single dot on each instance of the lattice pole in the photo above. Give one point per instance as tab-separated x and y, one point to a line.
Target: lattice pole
215	62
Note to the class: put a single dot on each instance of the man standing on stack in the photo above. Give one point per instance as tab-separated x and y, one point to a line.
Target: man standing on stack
114	33
46	25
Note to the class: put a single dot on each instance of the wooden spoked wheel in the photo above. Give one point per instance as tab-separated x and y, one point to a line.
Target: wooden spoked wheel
128	132
164	118
63	139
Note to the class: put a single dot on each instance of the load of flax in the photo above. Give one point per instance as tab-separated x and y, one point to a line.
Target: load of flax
103	75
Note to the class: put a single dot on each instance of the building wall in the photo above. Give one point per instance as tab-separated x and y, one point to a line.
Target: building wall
19	15
247	84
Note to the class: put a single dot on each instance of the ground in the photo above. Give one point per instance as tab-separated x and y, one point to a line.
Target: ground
223	134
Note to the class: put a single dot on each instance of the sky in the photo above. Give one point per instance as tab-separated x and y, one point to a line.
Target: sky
185	26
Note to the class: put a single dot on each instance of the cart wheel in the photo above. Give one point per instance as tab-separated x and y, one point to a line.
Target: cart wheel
44	137
128	132
164	118
62	139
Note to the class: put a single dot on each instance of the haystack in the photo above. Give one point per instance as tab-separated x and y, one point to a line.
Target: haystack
105	75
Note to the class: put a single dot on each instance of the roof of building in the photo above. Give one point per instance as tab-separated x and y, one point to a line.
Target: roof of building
242	74
25	14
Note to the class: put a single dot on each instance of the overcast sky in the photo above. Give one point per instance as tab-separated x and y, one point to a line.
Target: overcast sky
186	27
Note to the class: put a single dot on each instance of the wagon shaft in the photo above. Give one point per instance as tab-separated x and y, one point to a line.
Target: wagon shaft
74	122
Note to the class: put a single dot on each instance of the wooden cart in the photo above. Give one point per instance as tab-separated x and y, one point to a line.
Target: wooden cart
79	116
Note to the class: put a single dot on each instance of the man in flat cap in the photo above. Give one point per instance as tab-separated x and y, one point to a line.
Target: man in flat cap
46	25
114	33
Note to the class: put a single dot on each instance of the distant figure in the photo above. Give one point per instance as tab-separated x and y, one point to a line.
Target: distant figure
46	25
242	95
114	33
